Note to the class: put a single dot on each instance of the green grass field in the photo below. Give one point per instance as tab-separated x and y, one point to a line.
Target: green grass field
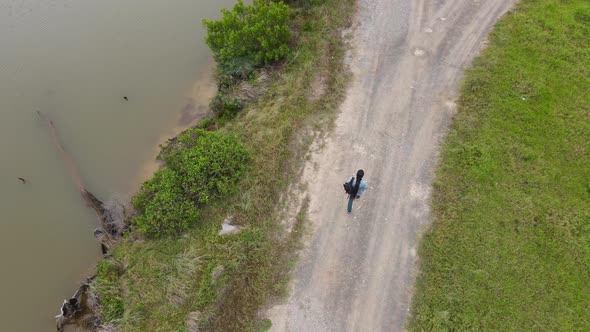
509	249
202	281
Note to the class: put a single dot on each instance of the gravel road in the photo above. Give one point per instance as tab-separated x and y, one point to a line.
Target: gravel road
356	272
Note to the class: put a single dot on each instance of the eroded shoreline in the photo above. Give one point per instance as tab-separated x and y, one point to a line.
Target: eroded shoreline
80	309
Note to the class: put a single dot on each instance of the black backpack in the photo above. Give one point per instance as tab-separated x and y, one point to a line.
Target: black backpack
348	186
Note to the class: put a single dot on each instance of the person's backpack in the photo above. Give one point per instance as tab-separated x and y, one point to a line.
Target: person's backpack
348	186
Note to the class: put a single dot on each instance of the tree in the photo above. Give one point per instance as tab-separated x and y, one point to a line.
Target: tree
200	166
256	33
163	208
209	163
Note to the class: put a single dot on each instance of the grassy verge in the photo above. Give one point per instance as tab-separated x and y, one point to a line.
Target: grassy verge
208	282
510	245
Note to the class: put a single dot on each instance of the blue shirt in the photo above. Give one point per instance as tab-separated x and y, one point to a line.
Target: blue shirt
364	186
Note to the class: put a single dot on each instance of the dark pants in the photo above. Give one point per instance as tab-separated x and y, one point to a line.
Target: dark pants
350	199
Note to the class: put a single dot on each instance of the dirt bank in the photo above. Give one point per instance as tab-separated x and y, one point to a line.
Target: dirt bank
357	271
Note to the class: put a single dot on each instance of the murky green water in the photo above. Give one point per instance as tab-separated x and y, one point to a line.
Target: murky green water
75	61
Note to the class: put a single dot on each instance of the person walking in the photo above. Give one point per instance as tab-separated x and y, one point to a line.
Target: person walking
358	187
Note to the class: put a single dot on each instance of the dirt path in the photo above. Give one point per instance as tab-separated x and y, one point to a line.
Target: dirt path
357	271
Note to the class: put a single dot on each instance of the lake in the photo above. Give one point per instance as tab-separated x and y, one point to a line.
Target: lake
76	61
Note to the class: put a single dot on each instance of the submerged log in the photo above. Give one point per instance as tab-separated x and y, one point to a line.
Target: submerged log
106	219
80	307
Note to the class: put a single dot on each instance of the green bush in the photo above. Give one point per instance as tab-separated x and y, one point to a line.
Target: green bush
163	207
209	164
256	33
232	71
200	165
221	105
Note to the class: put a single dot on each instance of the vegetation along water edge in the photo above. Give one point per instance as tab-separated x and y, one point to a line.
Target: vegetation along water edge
281	76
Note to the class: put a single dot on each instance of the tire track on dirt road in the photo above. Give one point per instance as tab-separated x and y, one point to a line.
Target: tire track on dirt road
357	272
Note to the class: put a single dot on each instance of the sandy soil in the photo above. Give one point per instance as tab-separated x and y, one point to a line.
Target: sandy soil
356	272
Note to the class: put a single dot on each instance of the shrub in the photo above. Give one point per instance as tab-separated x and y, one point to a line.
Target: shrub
222	104
302	3
163	207
256	33
209	164
234	70
200	165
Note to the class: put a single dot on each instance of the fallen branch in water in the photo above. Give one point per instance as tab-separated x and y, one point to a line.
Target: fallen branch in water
107	221
107	235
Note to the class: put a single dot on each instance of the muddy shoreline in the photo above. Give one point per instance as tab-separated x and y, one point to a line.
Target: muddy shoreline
194	110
